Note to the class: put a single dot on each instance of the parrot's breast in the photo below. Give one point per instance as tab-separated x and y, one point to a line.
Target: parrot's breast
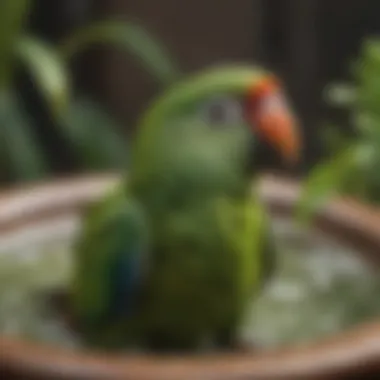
194	286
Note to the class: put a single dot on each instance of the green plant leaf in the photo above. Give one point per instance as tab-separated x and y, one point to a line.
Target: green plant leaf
129	36
329	178
12	17
340	94
355	174
48	70
333	138
94	134
19	147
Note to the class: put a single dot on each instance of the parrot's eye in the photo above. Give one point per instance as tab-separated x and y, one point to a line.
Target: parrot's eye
222	110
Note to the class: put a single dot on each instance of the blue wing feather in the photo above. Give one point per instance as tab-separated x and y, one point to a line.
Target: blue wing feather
126	278
111	261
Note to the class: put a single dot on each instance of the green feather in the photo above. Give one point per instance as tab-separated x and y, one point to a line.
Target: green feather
189	196
173	103
115	222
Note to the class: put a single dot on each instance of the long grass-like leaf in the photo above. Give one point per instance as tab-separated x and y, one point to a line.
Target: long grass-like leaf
94	135
12	16
25	160
131	37
49	71
329	178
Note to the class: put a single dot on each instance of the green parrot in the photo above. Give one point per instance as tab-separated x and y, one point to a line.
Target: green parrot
171	258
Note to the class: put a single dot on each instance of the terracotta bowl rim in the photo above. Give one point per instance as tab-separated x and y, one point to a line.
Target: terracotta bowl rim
346	353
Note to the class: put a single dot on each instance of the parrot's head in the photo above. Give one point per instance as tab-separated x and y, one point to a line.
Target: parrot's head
240	112
258	108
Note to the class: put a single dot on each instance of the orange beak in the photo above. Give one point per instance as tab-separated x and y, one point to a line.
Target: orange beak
272	118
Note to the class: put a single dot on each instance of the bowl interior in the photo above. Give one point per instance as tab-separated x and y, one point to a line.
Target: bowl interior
323	284
40	223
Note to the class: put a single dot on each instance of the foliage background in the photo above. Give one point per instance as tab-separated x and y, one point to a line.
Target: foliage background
309	42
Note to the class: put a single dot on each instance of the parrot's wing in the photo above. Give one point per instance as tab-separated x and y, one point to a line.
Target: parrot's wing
251	237
109	259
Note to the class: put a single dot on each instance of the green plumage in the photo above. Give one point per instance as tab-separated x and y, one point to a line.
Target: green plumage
188	216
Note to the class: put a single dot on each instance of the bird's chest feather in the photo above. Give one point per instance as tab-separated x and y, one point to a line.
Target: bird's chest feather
194	269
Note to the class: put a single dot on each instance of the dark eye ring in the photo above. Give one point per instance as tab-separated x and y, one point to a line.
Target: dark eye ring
222	110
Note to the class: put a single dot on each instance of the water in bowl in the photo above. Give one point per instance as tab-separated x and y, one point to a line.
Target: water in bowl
321	287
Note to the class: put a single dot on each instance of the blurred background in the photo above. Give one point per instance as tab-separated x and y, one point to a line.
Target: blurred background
76	74
310	43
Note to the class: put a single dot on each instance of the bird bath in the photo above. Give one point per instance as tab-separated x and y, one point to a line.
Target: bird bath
315	319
